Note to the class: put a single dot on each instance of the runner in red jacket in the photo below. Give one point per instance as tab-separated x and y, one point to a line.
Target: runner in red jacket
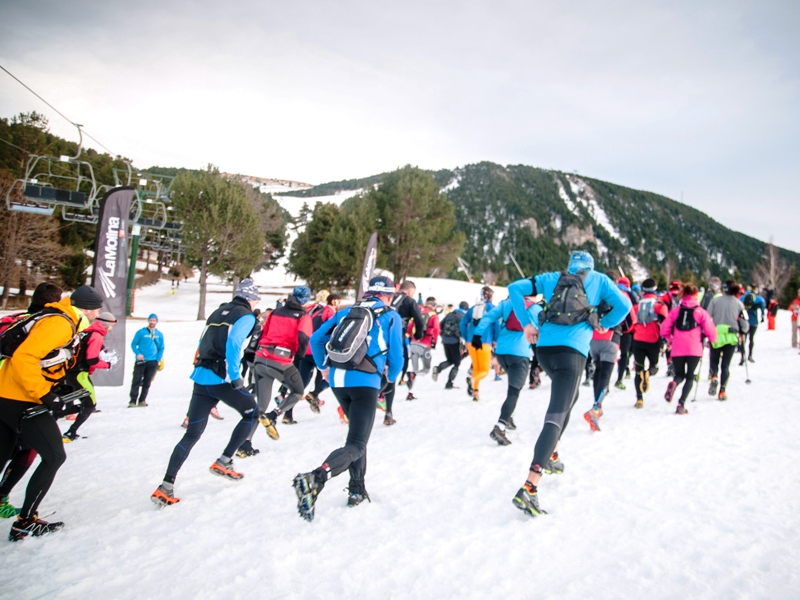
650	313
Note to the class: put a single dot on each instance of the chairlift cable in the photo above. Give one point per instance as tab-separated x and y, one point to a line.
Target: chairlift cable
70	121
14	145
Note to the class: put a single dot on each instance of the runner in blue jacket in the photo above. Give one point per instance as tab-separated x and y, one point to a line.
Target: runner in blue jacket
357	393
513	352
562	350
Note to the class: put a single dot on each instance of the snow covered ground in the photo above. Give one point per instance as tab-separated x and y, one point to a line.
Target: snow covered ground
654	506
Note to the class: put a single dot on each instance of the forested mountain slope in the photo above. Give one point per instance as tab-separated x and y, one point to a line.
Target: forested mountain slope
538	215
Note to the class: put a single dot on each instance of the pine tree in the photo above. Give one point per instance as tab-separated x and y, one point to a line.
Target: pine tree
416	223
221	228
342	254
304	257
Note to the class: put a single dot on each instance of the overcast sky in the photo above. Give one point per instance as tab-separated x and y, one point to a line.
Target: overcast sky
693	98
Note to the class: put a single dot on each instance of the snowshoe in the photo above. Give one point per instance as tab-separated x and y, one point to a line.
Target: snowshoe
33	526
527	500
499	436
225	471
162	497
712	387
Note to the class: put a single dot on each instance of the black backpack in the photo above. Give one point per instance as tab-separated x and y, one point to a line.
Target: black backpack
18	332
349	343
451	325
685	320
569	305
749	300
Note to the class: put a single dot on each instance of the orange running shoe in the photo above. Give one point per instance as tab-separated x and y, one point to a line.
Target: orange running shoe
223	471
723	395
162	497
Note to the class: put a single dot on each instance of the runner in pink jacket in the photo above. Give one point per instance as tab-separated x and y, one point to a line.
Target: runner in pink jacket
684	328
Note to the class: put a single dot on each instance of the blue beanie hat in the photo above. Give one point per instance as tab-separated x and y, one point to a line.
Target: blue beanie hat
247	290
580	260
153	316
302	293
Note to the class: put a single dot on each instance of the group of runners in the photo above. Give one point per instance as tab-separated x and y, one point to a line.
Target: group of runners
562	324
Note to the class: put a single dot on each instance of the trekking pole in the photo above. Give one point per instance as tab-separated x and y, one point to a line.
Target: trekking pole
697	377
747	370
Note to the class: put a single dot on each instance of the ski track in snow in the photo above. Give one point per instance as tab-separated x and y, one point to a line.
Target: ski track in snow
656	505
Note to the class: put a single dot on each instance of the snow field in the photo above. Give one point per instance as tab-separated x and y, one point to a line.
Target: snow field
655	505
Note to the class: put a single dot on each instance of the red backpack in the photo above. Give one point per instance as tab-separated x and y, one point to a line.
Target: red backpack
513	324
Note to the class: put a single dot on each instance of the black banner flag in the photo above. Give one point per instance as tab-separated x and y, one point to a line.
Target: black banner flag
110	277
369	265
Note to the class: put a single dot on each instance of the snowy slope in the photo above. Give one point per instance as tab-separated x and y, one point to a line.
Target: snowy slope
654	506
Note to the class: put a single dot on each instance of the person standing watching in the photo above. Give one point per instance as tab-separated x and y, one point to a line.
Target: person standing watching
148	346
794	308
27	380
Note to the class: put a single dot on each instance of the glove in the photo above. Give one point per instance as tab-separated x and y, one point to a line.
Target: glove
477	343
109	356
52	401
238	384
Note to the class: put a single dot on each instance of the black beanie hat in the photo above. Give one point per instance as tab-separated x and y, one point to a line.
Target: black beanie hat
86	297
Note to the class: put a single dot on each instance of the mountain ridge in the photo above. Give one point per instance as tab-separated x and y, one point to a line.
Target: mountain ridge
538	215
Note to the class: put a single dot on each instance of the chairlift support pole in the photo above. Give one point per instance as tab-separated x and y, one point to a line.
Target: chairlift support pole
135	231
516	264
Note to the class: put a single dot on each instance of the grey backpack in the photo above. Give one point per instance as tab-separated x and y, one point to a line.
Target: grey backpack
569	305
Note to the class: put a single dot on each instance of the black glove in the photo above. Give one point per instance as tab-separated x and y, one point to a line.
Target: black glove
52	401
477	343
238	384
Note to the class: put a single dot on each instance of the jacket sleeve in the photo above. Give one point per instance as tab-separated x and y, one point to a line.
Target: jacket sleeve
237	336
620	304
517	292
396	353
666	326
160	344
487	320
435	327
463	325
416	317
93	347
321	337
303	335
135	342
709	329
